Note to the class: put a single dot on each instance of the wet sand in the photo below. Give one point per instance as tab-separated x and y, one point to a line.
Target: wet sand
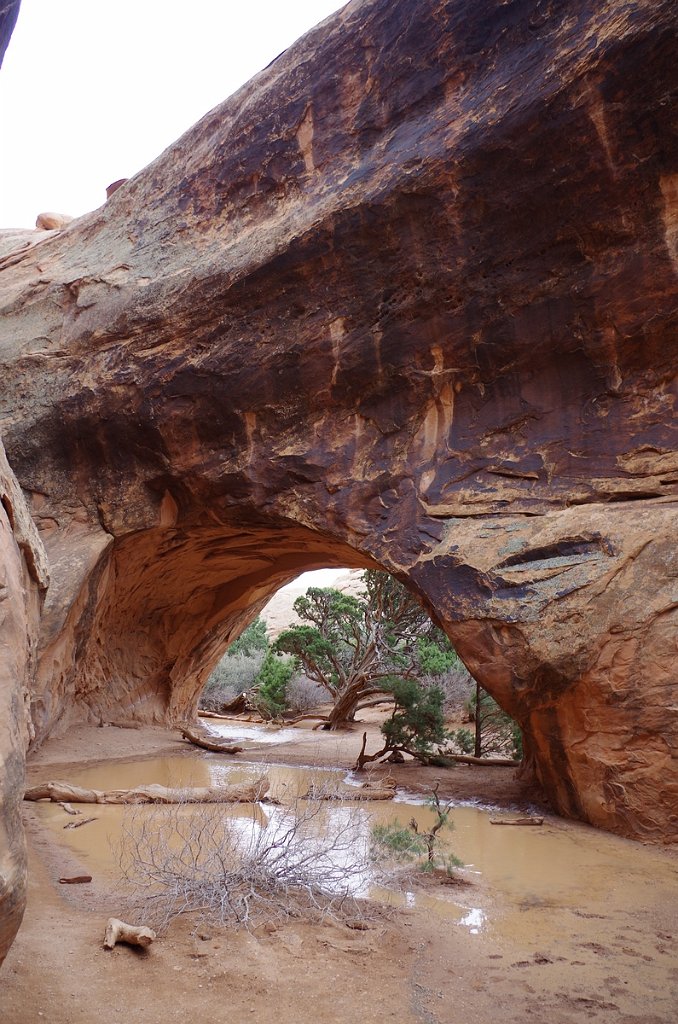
560	923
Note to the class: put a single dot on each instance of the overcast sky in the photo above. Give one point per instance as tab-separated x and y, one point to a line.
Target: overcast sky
91	92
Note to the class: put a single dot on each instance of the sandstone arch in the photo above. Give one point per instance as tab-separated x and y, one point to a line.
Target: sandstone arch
407	298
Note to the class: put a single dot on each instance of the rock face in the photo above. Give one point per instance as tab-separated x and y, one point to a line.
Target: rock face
406	300
23	578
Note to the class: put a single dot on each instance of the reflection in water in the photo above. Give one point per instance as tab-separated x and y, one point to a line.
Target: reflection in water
543	876
474	920
238	732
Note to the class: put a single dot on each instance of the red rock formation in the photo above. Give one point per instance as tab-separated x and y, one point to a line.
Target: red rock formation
406	299
23	578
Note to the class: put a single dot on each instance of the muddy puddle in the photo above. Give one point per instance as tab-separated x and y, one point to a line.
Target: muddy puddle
519	881
251	734
585	921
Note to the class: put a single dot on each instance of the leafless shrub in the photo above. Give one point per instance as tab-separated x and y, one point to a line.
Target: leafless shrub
234	674
303	694
267	863
457	684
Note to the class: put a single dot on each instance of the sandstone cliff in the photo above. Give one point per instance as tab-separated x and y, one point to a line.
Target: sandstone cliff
406	300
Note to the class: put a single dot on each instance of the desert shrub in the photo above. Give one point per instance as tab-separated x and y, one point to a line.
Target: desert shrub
252	639
270	694
234	674
410	844
457	685
464	740
277	863
303	693
416	726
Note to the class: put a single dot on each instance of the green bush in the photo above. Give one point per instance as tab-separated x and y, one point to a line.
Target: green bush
464	740
417	723
409	844
270	695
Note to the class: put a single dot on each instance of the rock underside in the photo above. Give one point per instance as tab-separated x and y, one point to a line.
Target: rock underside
406	300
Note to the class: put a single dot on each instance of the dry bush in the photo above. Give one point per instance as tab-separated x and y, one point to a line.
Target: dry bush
270	864
457	685
234	674
304	695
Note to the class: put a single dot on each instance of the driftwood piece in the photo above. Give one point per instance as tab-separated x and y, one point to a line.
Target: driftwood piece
516	821
207	742
67	808
75	880
133	935
483	762
79	824
385	790
250	792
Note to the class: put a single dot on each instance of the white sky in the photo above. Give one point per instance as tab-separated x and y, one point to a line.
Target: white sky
91	92
315	578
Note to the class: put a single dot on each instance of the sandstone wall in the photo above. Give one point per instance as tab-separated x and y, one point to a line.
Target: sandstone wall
23	577
408	300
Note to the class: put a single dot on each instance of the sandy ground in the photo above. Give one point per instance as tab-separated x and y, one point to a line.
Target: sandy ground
409	965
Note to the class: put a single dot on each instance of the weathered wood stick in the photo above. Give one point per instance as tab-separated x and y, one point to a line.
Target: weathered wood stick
516	821
119	931
79	824
76	880
67	807
369	791
201	739
57	792
486	762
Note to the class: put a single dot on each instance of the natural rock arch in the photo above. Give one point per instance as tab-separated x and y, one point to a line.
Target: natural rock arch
406	299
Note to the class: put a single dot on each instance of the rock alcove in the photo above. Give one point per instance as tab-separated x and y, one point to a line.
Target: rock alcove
406	300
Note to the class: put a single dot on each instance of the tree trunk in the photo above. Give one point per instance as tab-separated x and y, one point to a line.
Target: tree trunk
477	748
346	703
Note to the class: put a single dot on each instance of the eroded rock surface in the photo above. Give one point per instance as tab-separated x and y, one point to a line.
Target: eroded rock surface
407	299
23	578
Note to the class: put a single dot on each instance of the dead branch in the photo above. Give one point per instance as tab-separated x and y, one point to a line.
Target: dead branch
76	880
67	807
207	742
251	792
483	762
375	703
119	931
79	824
385	789
239	873
364	758
516	821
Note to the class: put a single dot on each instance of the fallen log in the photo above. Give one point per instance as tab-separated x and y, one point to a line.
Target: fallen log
79	824
516	821
75	880
485	762
386	790
202	739
120	931
251	792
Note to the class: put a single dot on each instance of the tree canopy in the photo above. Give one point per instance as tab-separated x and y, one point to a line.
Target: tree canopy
358	647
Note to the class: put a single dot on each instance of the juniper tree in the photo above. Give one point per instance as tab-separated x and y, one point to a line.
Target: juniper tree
359	647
